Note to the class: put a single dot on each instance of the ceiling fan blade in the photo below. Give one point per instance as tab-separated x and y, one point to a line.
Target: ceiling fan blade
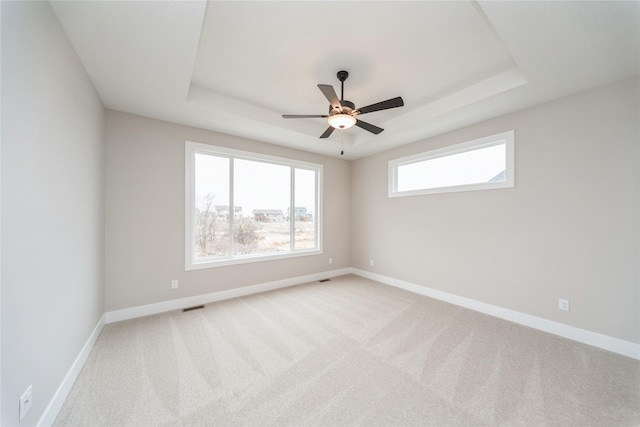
384	105
330	94
302	116
327	132
368	126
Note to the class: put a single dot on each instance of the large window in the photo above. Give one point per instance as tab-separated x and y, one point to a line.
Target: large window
244	207
481	164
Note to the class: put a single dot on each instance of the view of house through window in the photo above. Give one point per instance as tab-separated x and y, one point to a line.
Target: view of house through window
486	164
480	164
243	206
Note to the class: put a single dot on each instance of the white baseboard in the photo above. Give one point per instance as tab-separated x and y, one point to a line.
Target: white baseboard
50	414
178	304
614	345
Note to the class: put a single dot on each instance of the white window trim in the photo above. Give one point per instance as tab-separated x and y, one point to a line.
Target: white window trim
192	148
508	138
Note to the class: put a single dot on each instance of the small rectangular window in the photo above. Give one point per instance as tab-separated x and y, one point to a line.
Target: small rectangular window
481	164
244	207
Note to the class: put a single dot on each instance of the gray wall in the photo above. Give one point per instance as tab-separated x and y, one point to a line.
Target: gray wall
52	207
145	183
569	229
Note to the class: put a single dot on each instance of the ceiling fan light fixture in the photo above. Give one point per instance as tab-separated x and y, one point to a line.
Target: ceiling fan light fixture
342	121
342	113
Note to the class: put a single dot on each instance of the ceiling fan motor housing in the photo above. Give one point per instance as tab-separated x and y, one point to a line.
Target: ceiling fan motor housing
347	108
342	119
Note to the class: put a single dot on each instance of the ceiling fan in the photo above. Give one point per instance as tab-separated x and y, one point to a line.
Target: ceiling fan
343	114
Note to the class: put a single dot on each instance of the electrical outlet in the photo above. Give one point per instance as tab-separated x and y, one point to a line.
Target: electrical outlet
371	262
563	304
174	284
25	403
330	260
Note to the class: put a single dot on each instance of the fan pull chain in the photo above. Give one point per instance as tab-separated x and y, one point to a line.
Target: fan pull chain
342	142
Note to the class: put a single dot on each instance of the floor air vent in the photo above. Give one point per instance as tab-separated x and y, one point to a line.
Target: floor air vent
197	307
324	280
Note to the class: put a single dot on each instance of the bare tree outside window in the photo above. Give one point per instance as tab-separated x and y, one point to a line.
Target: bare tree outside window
206	219
245	236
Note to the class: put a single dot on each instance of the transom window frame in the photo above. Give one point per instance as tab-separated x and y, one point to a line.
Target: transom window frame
507	138
193	148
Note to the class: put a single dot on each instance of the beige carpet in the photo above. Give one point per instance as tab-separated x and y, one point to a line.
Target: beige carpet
345	352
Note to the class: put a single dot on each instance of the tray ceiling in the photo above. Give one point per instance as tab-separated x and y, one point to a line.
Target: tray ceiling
236	67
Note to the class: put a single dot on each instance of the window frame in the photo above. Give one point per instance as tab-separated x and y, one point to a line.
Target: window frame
507	138
193	148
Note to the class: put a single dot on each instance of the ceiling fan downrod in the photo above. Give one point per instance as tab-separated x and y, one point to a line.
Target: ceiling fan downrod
342	76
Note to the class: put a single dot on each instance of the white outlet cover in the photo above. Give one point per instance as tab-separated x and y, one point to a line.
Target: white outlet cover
174	284
563	304
25	403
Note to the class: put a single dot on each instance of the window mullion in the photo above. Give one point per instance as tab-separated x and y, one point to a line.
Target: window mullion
232	209
292	210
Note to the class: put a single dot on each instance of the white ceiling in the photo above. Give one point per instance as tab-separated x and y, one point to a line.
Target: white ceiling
237	66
